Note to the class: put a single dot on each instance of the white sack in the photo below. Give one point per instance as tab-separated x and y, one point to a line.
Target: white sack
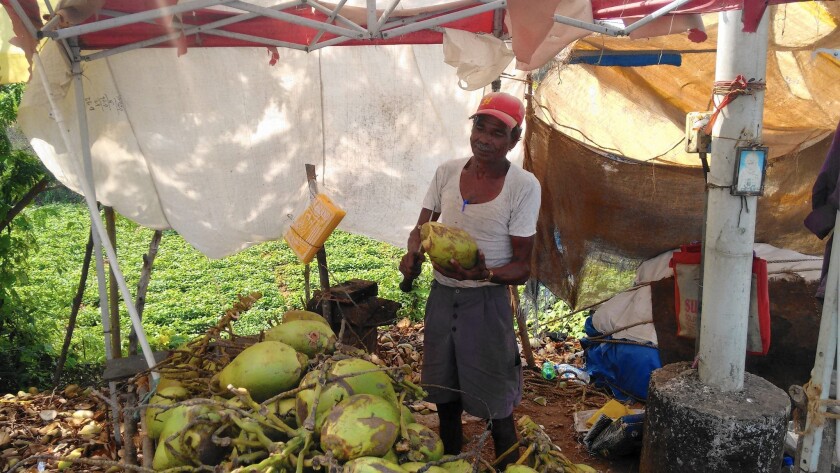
625	309
478	59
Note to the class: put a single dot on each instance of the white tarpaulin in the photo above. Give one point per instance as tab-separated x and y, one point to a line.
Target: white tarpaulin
213	143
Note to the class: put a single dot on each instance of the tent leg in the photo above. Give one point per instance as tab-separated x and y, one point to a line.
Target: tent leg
90	199
98	240
106	326
99	234
87	183
823	366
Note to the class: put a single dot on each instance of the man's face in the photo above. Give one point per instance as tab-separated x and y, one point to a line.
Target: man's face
490	138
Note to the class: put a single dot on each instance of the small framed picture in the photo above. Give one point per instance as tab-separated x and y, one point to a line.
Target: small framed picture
749	170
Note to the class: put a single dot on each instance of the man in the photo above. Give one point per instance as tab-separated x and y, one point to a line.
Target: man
825	201
470	358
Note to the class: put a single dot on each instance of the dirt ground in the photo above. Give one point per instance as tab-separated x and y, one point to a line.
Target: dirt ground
40	427
556	419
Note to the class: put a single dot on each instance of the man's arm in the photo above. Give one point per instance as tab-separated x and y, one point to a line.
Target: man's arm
518	270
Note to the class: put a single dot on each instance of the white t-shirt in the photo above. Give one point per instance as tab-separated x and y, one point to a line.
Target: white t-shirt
512	213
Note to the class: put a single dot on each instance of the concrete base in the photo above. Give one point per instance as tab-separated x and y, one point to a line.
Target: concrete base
690	427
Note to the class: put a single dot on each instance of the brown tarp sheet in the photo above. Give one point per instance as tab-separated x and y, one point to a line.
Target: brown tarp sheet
614	208
607	145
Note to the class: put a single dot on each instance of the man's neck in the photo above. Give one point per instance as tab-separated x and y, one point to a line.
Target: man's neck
489	169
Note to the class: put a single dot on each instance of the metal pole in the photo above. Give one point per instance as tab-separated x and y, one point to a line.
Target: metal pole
99	238
87	185
371	16
382	19
443	19
823	363
596	27
662	11
296	20
730	220
73	31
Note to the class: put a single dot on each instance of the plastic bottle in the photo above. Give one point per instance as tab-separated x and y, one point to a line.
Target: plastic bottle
787	464
548	371
566	371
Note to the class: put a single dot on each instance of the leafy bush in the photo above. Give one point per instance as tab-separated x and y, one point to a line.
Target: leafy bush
188	292
22	335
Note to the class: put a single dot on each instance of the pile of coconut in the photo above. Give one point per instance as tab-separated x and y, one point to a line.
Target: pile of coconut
292	401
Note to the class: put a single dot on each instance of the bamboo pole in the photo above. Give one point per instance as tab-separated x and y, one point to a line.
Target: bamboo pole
74	311
143	286
321	256
522	325
113	290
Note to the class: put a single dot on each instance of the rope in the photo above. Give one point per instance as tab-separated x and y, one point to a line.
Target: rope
627	342
793	260
607	334
816	410
730	91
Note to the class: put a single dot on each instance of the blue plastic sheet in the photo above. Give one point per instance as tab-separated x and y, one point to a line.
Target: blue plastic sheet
623	368
629	60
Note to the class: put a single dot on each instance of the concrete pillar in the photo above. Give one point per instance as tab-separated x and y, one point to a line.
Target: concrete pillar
693	428
730	220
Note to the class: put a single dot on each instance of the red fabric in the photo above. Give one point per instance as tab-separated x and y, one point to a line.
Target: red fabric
608	9
759	270
261	26
279	30
529	34
753	11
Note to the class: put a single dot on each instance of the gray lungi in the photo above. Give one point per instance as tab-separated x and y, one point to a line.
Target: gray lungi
469	344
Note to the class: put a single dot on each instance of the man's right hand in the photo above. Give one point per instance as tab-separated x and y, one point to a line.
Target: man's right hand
412	264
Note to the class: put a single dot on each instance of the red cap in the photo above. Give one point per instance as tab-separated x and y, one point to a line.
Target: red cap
505	107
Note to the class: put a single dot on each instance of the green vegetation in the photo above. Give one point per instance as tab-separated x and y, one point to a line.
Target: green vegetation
22	340
188	291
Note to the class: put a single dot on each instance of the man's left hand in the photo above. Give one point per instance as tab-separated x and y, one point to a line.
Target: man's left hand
476	273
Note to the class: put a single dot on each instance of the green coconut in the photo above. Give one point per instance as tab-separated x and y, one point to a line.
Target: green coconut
407	415
457	466
331	395
265	369
185	439
373	382
392	456
444	243
306	336
425	445
519	469
372	465
359	426
284	409
165	382
413	467
291	315
156	416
